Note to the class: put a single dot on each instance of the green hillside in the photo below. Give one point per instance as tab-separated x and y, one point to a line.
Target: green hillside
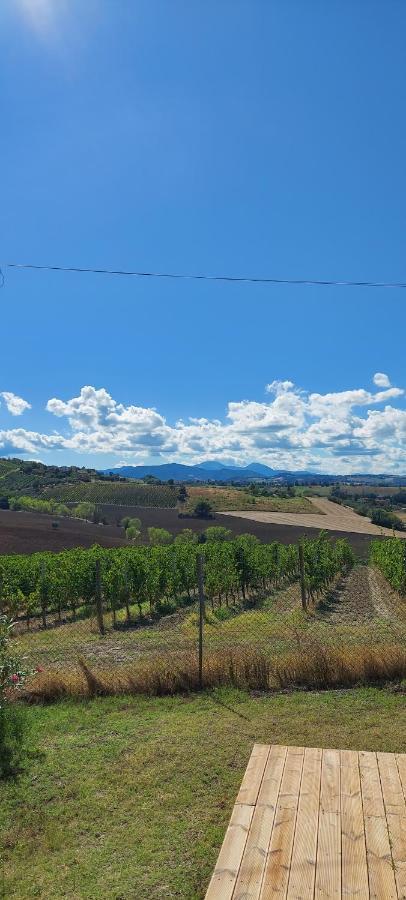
20	477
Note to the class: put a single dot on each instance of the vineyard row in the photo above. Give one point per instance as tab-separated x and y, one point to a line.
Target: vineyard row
161	577
390	557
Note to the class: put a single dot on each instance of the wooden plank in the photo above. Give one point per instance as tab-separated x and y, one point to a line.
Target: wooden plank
379	858
393	798
395	807
303	862
276	874
401	764
398	832
224	877
316	824
249	882
380	869
367	759
251	782
372	799
354	871
328	865
397	837
290	786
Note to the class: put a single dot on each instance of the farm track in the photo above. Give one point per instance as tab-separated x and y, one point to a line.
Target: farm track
360	597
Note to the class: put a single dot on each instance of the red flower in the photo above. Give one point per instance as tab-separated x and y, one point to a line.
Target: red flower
39	669
15	679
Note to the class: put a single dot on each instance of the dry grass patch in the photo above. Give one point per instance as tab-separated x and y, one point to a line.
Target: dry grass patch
318	667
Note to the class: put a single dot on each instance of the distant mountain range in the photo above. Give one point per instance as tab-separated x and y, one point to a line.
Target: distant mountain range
212	470
209	471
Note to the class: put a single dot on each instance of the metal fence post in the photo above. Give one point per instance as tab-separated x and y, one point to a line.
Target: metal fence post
302	577
200	582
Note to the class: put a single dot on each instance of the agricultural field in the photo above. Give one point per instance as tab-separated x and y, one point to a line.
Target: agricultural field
326	515
265	531
128	493
224	498
27	532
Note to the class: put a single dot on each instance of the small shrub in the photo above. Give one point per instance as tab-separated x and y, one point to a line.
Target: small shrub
222	613
165	607
12	677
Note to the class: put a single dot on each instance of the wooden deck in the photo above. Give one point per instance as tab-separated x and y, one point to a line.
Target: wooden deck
311	823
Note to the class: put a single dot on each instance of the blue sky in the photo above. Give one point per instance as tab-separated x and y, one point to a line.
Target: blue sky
252	138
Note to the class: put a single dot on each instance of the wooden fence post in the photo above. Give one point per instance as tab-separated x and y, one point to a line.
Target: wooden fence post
98	598
200	582
302	577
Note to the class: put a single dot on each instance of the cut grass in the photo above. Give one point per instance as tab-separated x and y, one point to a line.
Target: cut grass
129	797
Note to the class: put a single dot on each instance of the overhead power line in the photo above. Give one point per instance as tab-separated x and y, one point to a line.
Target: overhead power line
239	279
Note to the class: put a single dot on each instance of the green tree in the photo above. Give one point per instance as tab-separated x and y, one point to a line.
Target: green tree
159	537
84	510
132	533
203	509
182	494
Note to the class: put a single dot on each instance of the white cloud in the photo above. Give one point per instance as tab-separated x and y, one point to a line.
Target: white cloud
294	429
381	380
279	387
15	405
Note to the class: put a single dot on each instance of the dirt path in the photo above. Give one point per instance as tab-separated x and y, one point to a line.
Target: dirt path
388	604
361	596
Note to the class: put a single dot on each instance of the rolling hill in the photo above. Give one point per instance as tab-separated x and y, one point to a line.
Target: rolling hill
19	477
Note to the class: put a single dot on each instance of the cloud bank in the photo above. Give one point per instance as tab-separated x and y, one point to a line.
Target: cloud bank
356	430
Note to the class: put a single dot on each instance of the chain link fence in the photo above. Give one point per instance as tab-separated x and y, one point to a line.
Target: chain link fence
161	620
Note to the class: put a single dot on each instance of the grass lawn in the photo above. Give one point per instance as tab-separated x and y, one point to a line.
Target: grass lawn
128	798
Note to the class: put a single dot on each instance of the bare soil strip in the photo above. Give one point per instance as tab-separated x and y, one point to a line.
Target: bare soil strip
361	596
331	517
